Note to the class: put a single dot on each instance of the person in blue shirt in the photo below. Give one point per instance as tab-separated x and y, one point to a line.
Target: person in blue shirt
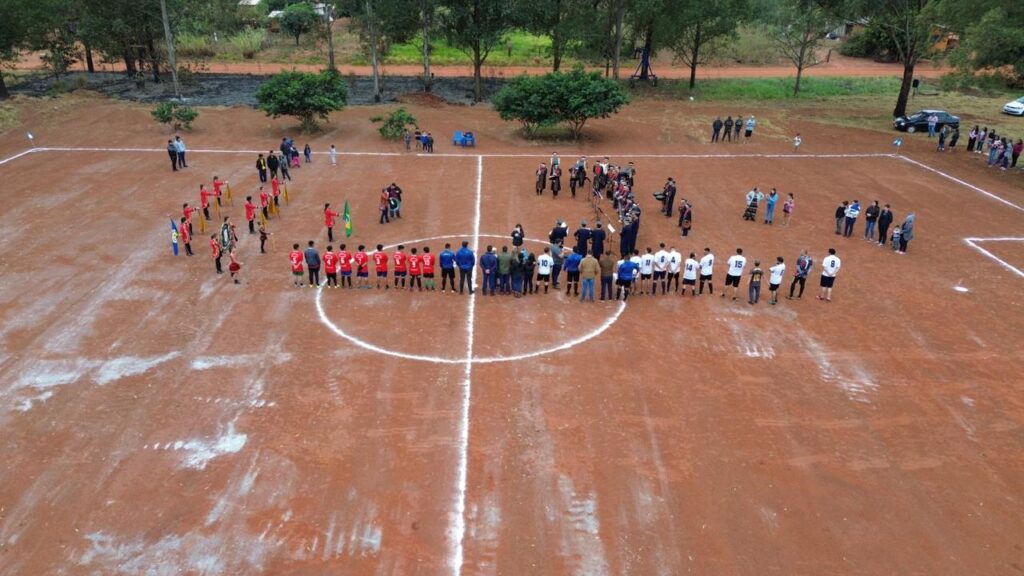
627	271
446	259
465	260
769	215
572	272
489	267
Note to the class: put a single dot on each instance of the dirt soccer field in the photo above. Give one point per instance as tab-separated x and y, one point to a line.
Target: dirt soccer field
157	419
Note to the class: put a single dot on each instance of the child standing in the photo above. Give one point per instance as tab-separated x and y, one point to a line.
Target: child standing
754	291
234	267
334	155
787	209
797	141
775	279
296	258
308	153
897	232
331	267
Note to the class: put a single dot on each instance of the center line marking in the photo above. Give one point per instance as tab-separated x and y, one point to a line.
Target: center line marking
459	514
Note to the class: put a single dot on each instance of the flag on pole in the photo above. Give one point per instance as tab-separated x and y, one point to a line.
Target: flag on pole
347	217
174	237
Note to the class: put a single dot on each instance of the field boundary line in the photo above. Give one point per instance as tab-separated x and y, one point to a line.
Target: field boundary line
974	243
961	182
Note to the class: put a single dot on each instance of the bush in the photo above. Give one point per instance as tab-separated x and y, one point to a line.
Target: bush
527	100
193	47
572	99
249	42
395	124
303	95
179	115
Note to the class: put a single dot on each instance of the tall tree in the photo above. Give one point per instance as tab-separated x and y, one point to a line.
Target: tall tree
476	27
560	20
701	23
13	36
991	33
298	19
602	34
798	28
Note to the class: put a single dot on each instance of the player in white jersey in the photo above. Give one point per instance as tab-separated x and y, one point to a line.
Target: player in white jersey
690	269
544	265
660	268
675	261
635	259
775	274
707	264
829	268
646	272
733	273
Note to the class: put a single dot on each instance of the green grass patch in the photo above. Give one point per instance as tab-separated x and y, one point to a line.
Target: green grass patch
9	117
520	49
745	89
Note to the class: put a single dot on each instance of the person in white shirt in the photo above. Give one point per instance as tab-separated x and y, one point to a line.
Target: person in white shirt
707	264
675	260
829	268
646	272
734	272
775	279
690	268
544	265
660	267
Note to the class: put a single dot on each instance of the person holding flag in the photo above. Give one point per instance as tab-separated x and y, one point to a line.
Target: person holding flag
204	201
275	191
250	214
185	235
188	211
329	216
265	203
218	186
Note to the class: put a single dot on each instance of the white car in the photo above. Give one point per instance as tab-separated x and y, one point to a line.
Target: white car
1016	107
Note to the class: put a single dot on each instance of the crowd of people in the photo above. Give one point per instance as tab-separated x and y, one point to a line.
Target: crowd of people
876	218
729	129
998	150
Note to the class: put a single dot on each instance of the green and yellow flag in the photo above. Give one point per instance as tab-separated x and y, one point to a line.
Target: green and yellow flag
347	217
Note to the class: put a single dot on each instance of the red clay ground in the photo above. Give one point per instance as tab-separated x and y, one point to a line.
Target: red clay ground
157	419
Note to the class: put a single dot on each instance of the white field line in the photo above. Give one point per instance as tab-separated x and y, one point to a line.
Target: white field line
962	183
18	155
459	514
973	243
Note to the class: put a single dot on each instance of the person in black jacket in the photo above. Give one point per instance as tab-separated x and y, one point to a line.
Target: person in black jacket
261	167
172	151
558	233
272	163
870	217
582	236
728	129
841	216
884	221
597	237
716	127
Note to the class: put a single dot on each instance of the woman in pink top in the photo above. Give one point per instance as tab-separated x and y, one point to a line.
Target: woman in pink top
787	209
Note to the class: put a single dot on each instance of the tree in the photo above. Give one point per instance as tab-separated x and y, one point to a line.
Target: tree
572	98
476	27
299	19
561	20
991	32
394	124
179	115
527	100
601	37
700	24
798	29
381	23
303	95
13	35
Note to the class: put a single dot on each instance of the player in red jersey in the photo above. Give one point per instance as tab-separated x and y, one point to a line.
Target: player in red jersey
250	214
330	260
265	203
275	190
345	260
401	262
362	270
218	186
204	200
185	233
215	249
188	211
428	268
415	270
380	263
296	258
329	216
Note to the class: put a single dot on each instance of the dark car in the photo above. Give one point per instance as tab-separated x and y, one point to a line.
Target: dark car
919	121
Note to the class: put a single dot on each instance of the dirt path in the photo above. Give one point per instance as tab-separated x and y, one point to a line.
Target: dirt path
837	66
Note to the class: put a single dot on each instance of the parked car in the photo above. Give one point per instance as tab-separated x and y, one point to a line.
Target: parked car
919	121
1015	108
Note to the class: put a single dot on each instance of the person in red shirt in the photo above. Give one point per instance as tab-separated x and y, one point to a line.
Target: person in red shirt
380	262
265	203
362	271
296	258
250	214
331	266
185	234
204	200
218	185
187	211
275	190
329	216
415	261
215	249
401	261
428	268
345	264
234	266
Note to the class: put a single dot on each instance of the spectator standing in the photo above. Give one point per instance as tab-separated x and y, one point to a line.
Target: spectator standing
446	259
312	258
841	216
804	263
308	153
787	209
852	211
942	138
829	268
972	137
1018	147
933	121
607	264
407	138
906	233
590	268
751	123
754	288
884	221
769	213
273	163
737	127
172	151
179	146
728	129
465	260
505	271
716	127
775	280
954	139
870	216
517	237
489	268
334	155
261	167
